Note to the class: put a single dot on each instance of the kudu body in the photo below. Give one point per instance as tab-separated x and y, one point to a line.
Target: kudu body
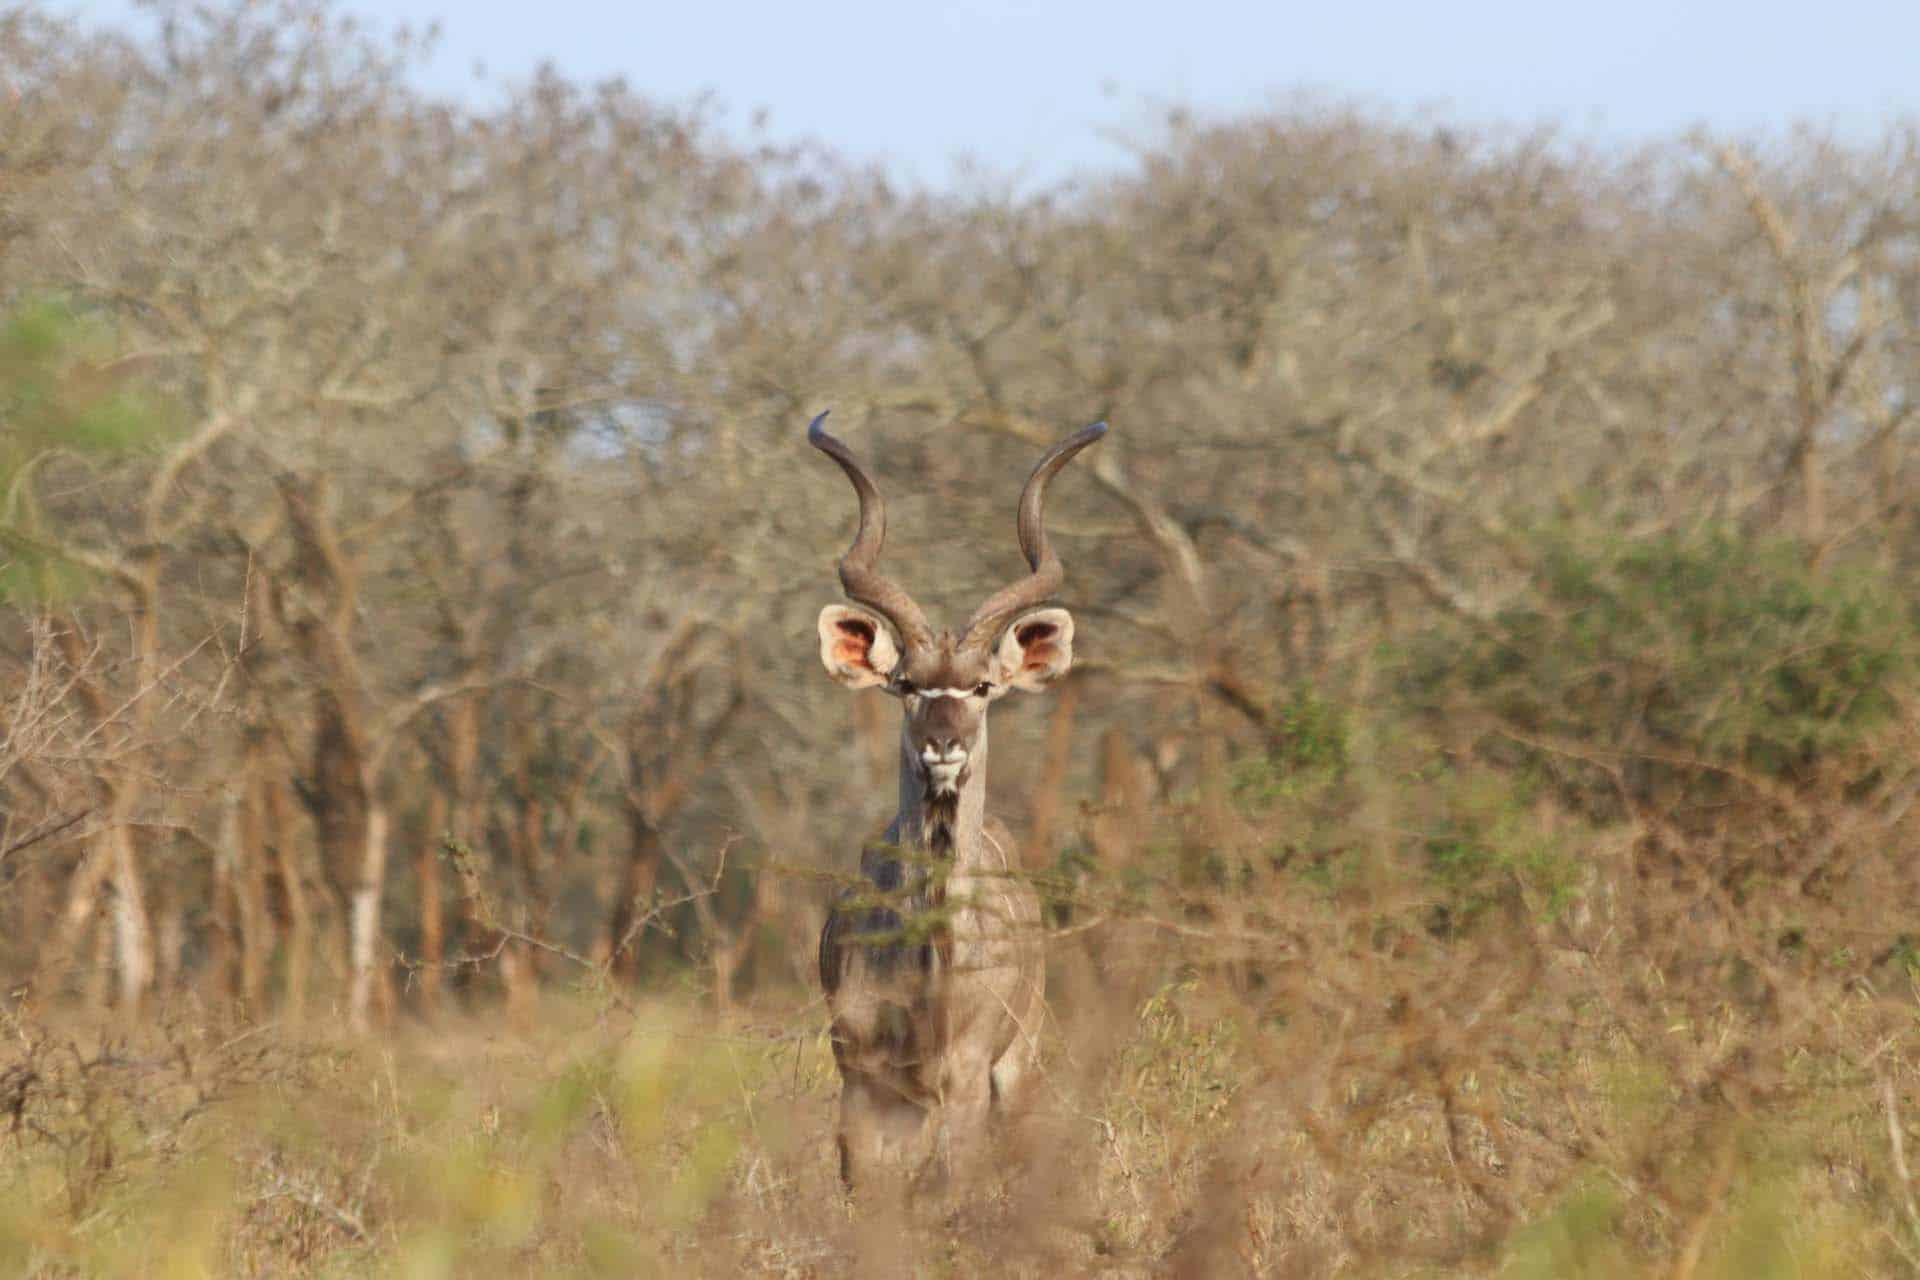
932	964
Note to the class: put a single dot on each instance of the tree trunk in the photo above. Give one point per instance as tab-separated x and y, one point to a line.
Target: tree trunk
167	909
293	892
98	987
223	977
1120	817
81	909
525	833
364	918
1050	790
426	862
464	820
132	929
635	898
115	861
250	887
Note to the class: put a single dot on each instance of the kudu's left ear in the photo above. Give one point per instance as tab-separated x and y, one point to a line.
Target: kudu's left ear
1036	650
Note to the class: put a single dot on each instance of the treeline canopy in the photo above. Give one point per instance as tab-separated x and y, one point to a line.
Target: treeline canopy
410	548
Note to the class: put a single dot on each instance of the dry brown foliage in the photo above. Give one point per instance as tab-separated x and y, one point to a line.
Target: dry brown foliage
1478	831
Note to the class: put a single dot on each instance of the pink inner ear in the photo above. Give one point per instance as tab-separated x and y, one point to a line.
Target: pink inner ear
854	644
1037	649
1033	633
1038	657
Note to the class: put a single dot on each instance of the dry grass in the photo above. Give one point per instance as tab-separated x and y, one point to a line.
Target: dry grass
1273	1053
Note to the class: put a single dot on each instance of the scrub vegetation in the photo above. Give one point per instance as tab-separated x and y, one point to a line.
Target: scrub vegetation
1477	835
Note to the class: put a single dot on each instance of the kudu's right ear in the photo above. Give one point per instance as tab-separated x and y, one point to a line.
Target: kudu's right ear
856	647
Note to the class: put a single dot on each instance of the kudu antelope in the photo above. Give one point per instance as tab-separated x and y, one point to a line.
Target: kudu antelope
932	965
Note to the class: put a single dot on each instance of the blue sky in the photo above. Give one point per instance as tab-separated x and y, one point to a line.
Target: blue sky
1029	87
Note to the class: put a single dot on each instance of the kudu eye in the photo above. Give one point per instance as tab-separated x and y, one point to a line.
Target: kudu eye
904	686
982	689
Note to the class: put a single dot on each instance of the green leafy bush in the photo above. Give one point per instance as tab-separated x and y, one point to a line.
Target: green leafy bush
1681	657
58	398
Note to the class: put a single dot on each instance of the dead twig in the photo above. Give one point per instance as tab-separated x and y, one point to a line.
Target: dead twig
46	831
